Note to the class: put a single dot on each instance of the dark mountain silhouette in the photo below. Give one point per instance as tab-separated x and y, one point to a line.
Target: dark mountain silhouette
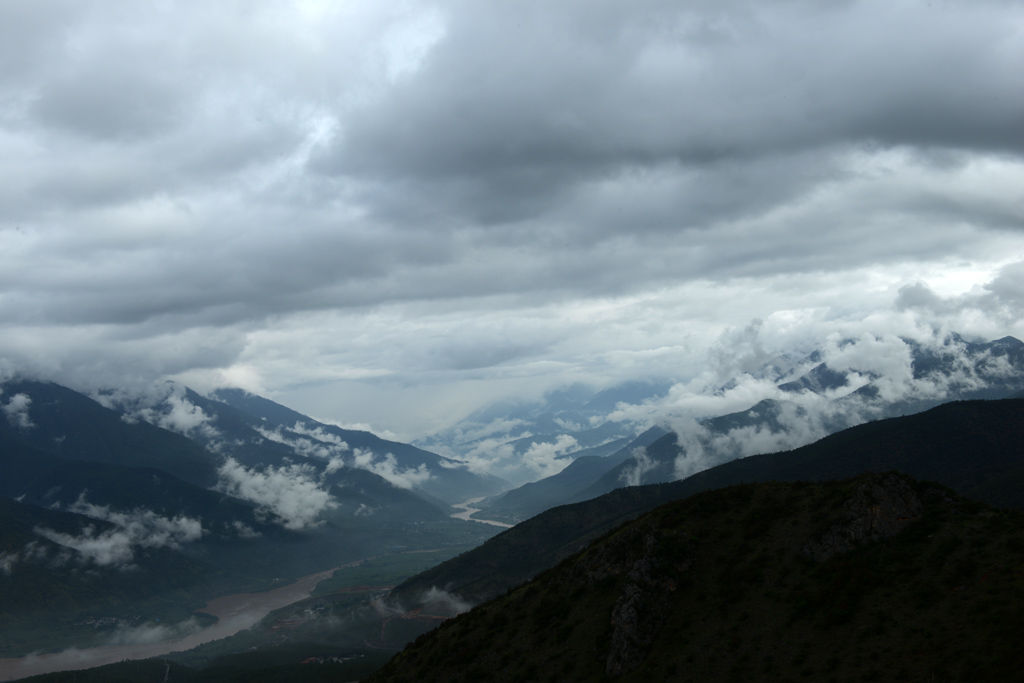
876	578
84	557
86	447
820	379
61	450
49	605
47	481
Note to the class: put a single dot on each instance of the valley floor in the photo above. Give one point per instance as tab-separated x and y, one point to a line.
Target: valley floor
234	612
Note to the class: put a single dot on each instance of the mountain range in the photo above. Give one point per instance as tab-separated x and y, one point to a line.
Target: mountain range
810	569
793	403
122	512
522	441
118	509
876	578
970	447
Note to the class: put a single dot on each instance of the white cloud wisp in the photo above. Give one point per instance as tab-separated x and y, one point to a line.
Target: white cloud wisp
292	495
138	528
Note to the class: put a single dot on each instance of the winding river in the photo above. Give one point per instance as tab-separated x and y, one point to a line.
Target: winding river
467	511
234	613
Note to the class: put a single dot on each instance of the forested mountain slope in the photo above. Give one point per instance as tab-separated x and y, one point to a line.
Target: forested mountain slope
876	578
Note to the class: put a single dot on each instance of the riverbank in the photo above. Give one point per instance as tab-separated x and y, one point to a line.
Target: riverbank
234	613
468	511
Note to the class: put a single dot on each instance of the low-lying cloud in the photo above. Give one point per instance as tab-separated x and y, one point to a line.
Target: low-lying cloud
546	459
153	632
506	449
17	410
139	528
292	494
244	530
491	455
32	552
642	464
316	442
881	377
165	405
7	561
449	600
311	447
388	468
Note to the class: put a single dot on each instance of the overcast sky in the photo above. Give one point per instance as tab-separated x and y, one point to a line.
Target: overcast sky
391	212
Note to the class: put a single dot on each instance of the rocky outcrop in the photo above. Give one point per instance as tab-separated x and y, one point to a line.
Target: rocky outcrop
879	508
639	612
650	558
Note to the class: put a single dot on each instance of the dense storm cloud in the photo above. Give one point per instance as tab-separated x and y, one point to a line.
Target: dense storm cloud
390	213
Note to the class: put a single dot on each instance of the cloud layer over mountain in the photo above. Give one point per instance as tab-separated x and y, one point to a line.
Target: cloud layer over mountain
390	213
867	377
116	547
291	495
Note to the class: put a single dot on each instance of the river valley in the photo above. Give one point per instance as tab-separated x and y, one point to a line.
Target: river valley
234	613
467	511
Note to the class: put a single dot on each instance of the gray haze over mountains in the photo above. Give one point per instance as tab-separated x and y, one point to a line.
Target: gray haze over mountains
787	402
391	214
781	402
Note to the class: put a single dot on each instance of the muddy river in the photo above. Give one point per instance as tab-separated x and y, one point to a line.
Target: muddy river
234	612
467	511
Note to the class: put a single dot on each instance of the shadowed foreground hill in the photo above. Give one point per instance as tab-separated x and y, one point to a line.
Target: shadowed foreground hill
876	578
518	554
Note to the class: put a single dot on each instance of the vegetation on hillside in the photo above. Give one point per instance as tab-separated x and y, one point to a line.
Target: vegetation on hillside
876	578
